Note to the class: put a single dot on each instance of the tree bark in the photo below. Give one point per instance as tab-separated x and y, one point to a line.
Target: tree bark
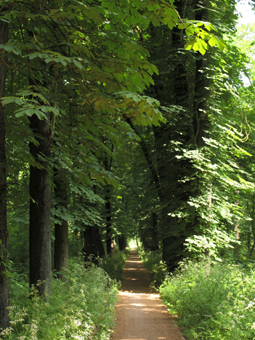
93	244
98	242
154	232
90	249
122	242
61	229
108	211
108	205
171	88
40	203
4	291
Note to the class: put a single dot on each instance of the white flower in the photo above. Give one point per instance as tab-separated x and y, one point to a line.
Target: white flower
250	304
77	322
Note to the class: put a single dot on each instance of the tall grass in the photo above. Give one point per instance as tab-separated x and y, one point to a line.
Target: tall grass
216	302
80	307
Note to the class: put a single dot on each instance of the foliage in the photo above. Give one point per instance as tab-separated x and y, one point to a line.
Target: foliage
152	261
187	174
109	75
18	235
80	307
218	206
113	264
212	302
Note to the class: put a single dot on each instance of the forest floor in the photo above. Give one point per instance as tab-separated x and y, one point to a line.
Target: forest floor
140	314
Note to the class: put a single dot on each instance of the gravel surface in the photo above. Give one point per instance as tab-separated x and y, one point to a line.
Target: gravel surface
140	314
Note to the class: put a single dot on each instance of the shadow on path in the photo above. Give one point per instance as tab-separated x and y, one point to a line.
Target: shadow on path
135	277
140	314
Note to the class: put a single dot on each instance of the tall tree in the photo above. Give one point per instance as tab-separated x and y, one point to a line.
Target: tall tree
61	256
4	291
191	91
40	204
87	61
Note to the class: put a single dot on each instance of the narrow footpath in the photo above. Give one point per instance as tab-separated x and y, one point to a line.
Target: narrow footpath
140	314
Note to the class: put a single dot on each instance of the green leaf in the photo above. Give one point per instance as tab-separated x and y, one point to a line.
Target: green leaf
182	26
11	48
214	40
78	64
19	101
8	100
189	44
63	62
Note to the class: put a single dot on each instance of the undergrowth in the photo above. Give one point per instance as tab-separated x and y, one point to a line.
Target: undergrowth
152	261
80	307
113	264
212	302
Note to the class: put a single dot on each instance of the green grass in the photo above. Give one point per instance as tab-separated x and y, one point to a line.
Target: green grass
216	302
81	307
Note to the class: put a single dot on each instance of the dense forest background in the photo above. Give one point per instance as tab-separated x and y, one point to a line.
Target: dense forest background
123	120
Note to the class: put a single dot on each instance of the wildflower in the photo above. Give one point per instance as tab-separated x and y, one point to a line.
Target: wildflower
250	305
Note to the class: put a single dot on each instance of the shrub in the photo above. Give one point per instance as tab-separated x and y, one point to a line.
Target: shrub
152	261
113	264
81	307
216	302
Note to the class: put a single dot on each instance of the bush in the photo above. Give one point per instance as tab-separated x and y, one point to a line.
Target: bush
113	264
215	302
81	307
152	261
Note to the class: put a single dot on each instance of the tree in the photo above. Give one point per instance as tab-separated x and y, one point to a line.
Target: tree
78	71
40	203
4	292
186	151
61	255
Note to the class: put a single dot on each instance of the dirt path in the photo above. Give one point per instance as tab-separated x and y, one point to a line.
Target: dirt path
140	314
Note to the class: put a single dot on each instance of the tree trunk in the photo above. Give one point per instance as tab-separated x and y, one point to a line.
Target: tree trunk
122	242
90	249
108	206
172	87
154	232
93	244
108	211
40	203
4	291
61	229
98	242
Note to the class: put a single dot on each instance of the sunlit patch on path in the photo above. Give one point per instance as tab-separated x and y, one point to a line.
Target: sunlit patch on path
140	314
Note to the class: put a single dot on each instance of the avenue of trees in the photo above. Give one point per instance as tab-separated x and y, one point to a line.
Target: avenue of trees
122	119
